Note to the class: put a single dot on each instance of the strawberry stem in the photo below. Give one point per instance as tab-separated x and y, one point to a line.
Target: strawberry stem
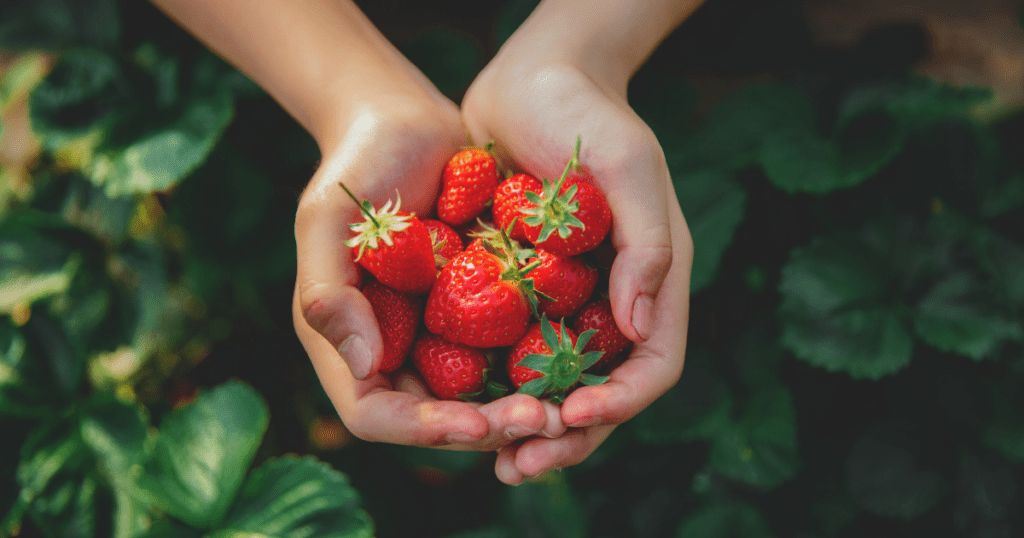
362	205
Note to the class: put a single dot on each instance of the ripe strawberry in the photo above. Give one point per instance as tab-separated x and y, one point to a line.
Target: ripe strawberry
467	186
446	241
394	246
452	371
482	298
398	316
564	283
597	315
509	197
573	207
546	363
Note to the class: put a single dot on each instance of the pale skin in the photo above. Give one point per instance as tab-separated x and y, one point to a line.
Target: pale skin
382	126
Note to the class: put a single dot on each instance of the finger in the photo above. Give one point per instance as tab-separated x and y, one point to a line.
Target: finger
372	411
505	466
655	365
640	233
511	418
553	426
327	277
538	456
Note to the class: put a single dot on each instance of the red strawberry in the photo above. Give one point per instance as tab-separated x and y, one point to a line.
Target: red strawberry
570	216
452	371
446	241
394	246
597	315
509	197
467	186
564	283
398	316
481	299
550	363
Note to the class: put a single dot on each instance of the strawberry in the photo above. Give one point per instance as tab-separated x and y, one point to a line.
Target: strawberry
550	363
482	298
394	246
597	315
509	197
398	316
573	207
446	241
467	186
564	283
452	371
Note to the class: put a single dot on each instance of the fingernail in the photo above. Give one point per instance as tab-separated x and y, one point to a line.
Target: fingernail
643	310
515	431
460	438
357	355
585	422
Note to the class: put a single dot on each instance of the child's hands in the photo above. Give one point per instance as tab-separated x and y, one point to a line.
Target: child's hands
534	99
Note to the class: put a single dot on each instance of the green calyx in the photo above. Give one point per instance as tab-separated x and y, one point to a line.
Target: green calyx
497	242
564	368
551	211
379	224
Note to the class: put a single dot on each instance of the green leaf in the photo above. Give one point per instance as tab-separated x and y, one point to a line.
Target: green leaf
1005	432
696	408
1004	260
737	127
18	288
118	434
451	59
835	313
82	92
916	101
166	154
803	161
957	315
887	475
71	507
203	452
760	448
714	204
295	497
725	519
53	24
546	506
986	496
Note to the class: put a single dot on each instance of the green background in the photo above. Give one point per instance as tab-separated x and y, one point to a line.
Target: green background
854	365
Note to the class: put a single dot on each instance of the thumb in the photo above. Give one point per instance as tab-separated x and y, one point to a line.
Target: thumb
642	240
326	282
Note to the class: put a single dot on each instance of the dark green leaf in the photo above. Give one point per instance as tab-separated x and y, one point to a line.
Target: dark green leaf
735	130
1005	433
957	315
83	91
163	156
760	448
714	204
834	311
449	58
203	453
886	474
118	435
54	24
294	498
915	101
545	507
986	496
71	507
725	520
1004	260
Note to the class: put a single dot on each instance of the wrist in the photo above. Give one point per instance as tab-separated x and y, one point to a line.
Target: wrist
608	40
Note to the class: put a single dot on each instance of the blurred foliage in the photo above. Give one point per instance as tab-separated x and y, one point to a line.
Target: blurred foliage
855	357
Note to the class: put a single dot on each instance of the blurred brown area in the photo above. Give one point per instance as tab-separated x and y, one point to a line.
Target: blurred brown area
972	42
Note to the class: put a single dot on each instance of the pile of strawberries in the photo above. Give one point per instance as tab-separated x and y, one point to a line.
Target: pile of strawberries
517	305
